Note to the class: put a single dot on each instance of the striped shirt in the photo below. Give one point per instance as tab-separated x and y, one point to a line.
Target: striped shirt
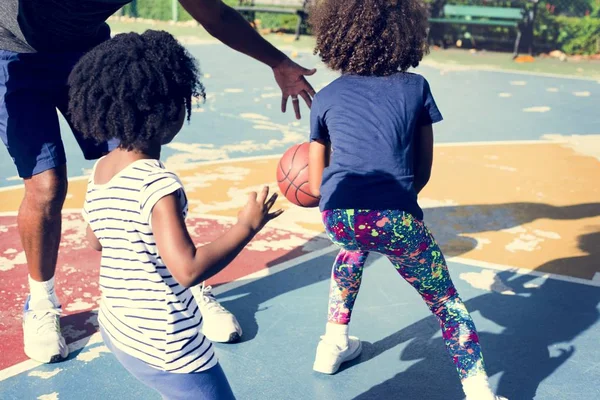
147	314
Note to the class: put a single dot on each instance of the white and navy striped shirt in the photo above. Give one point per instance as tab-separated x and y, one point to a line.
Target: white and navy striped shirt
146	313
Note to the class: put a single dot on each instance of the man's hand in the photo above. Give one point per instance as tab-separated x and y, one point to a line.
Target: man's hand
227	25
290	78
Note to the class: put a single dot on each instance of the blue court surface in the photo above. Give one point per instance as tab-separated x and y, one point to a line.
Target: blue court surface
539	337
514	202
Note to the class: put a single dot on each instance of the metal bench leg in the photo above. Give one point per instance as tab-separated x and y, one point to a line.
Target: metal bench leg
299	26
517	43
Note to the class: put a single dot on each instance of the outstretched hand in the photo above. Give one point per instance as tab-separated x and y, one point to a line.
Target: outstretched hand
291	79
257	211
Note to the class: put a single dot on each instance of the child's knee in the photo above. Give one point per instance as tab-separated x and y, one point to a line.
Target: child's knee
445	301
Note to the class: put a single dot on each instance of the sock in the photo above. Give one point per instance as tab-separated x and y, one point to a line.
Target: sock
42	291
478	388
337	334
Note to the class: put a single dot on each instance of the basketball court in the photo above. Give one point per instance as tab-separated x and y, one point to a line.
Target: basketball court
514	201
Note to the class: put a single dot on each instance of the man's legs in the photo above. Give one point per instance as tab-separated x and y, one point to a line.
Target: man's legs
30	131
39	223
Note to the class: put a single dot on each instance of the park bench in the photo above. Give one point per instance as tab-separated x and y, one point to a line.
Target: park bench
519	18
249	8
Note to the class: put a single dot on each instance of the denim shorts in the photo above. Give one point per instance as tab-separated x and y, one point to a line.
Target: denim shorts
32	87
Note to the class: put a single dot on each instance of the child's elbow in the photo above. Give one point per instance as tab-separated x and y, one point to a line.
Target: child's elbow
184	278
96	246
315	188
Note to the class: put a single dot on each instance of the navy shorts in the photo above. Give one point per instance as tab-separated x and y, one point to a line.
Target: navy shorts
32	87
211	384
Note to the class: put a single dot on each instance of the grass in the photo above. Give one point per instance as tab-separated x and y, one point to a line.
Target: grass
191	34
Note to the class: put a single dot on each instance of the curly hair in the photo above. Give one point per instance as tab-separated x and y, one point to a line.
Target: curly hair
132	87
370	37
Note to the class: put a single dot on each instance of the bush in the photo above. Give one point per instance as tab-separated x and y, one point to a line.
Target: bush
160	10
578	35
573	35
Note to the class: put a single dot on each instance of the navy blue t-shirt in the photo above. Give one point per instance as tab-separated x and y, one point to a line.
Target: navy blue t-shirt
371	123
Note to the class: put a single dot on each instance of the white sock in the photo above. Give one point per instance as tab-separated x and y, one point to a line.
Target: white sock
337	334
478	388
42	291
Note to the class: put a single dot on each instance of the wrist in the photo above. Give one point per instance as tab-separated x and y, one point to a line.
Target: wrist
278	60
245	229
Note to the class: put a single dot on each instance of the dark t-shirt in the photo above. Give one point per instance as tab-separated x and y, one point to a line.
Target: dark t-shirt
371	123
30	26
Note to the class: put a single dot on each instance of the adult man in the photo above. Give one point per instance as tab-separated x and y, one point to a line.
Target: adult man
40	42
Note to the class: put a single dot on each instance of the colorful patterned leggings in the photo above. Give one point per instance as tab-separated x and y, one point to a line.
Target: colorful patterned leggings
411	248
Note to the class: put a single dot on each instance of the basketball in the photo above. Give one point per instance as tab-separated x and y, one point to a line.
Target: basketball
292	176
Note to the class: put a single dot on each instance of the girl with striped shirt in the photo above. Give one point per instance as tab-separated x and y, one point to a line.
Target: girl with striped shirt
138	89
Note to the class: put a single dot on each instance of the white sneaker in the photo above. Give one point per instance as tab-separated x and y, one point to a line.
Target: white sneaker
330	356
219	325
41	332
497	398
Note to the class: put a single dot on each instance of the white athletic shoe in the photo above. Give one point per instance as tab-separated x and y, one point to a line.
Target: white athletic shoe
41	332
330	356
219	325
497	398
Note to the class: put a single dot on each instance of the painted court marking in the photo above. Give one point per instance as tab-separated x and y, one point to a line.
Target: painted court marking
222	289
272	156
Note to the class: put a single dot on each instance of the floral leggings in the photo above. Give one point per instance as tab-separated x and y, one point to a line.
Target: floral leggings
411	248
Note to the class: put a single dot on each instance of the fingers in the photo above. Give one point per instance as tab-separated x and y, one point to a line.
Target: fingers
271	202
306	98
309	72
275	214
296	104
252	197
284	100
309	89
263	195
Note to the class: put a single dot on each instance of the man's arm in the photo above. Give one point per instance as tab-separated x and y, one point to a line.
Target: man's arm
227	25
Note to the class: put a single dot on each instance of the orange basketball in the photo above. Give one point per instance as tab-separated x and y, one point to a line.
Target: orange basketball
292	176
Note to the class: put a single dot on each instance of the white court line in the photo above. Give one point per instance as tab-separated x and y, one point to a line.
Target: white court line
30	364
523	271
272	156
223	289
187	167
272	225
96	338
485	68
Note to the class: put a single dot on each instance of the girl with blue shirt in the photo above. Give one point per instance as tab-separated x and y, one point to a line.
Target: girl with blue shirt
371	153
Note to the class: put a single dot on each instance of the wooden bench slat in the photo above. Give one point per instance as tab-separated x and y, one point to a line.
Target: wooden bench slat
483	12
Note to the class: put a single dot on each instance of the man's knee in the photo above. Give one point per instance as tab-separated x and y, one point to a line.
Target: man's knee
47	190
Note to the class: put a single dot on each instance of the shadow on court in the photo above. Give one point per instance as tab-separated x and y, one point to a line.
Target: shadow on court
537	317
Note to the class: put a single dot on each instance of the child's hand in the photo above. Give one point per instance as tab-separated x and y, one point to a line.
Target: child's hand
256	213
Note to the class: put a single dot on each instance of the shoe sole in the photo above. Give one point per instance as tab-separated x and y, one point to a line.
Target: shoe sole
335	367
53	359
233	337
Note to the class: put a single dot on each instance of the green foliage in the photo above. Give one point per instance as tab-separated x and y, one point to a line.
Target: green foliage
554	28
277	21
155	9
579	35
